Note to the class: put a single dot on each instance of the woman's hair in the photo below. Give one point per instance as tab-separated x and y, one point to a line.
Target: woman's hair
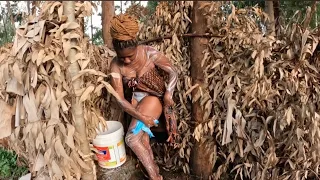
119	44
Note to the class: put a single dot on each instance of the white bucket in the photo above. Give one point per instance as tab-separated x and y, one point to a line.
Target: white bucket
110	145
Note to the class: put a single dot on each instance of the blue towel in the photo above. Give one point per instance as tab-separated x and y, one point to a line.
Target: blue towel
141	126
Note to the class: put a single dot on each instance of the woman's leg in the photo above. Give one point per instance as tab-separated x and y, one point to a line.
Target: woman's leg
139	143
136	98
136	145
146	143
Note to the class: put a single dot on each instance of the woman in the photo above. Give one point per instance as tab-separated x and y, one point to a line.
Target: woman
138	67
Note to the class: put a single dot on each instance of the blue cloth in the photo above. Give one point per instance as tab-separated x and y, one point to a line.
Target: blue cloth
141	126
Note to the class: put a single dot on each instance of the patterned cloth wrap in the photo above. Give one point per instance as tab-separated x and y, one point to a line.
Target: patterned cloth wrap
151	82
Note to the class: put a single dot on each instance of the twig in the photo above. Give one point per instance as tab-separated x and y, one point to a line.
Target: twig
181	35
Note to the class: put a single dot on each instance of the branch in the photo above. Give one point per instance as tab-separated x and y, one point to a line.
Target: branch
182	35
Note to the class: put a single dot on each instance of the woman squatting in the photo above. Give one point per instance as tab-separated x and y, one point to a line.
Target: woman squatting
139	68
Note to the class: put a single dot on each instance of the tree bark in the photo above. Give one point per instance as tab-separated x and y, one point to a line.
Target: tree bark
28	7
34	7
91	27
270	22
121	7
5	29
108	11
82	21
200	165
316	9
77	107
107	14
10	15
276	9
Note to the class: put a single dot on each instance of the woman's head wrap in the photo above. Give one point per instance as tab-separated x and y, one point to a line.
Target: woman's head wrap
124	27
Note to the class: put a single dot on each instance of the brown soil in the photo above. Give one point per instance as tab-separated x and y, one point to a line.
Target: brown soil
131	170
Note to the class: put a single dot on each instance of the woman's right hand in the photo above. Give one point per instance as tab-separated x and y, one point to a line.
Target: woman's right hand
149	121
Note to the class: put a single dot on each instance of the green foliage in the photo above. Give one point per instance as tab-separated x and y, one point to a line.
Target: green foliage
287	8
151	6
243	4
6	28
97	36
8	165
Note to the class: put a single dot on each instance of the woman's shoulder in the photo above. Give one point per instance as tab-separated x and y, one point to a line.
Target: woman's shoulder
115	63
150	51
149	48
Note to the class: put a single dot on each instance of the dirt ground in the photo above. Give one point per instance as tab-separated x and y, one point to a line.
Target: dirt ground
130	170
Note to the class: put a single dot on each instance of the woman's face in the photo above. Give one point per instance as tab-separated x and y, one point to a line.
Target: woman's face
127	55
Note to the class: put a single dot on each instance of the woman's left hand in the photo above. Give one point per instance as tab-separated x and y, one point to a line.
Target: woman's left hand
171	122
168	99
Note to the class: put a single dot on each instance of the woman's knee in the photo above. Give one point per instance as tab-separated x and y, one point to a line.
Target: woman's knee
150	106
128	139
132	139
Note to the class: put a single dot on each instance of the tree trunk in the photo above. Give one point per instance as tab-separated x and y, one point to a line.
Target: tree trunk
5	29
200	165
276	9
82	22
77	107
107	14
316	16
121	7
10	15
270	22
91	28
34	8
28	7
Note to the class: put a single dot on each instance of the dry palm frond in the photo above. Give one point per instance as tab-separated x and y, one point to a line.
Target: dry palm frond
34	78
261	99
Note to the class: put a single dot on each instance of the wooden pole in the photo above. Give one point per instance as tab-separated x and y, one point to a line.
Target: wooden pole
200	165
181	35
77	107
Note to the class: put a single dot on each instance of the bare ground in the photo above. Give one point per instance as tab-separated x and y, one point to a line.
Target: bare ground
131	170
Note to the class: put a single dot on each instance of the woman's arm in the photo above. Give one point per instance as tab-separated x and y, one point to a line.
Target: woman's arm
116	83
161	61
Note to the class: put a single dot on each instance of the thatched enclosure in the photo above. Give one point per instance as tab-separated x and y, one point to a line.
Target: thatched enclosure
247	106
